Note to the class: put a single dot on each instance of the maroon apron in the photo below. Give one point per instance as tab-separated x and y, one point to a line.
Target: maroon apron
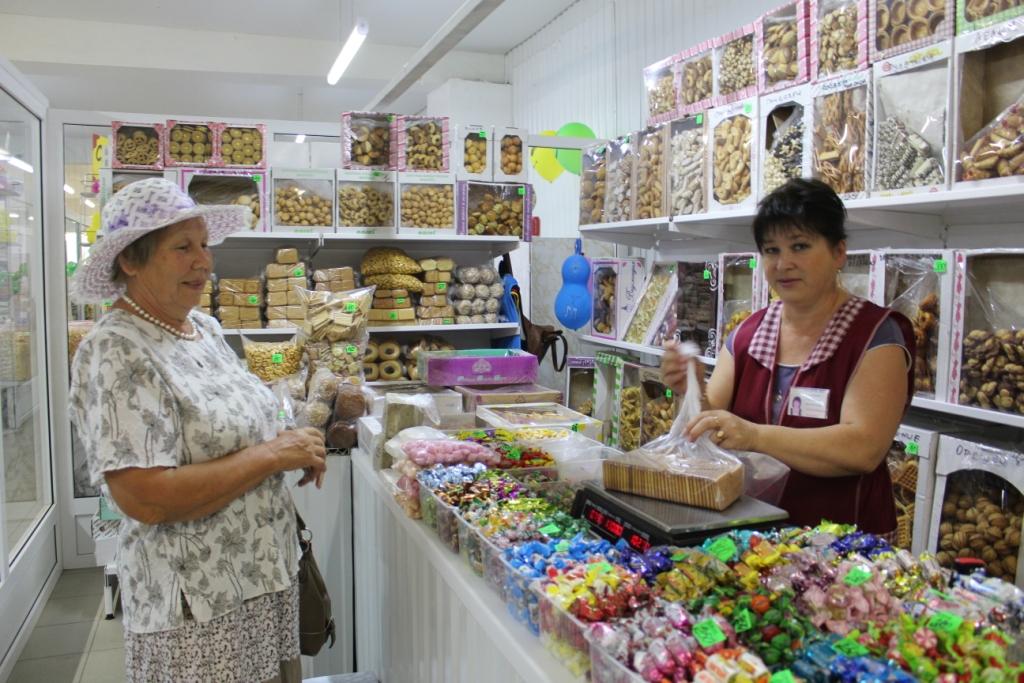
865	500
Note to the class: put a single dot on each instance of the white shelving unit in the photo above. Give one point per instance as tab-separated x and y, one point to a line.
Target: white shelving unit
497	330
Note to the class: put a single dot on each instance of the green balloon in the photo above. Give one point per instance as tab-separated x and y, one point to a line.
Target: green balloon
571	159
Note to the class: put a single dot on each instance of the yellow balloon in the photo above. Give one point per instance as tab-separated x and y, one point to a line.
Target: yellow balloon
545	162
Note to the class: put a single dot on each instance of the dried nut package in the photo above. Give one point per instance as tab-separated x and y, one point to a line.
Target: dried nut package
840	134
839	35
661	83
304	200
910	113
618	200
732	156
651	178
271	361
137	145
696	74
688	166
422	143
426	203
781	44
900	26
736	72
366	199
593	179
630	418
188	144
785	137
242	146
366	140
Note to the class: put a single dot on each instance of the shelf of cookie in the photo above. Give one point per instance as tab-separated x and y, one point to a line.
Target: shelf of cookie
137	145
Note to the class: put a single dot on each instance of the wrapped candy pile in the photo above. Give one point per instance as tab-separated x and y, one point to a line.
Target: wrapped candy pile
820	604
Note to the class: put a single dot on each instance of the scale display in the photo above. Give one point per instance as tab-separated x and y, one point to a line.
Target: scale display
645	522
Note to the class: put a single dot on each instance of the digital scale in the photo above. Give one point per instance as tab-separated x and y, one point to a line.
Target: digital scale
645	522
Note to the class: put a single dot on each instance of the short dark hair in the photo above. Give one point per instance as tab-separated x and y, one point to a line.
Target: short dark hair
137	253
801	203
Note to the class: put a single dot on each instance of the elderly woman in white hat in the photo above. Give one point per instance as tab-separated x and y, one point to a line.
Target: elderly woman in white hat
188	445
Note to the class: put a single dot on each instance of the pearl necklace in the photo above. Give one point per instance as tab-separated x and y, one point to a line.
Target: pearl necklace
145	315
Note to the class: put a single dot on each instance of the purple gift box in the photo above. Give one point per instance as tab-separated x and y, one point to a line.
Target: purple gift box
477	366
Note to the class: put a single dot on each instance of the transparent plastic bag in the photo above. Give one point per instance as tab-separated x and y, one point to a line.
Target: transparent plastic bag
402	411
422	143
696	72
366	140
784	158
737	74
688	167
218	190
495	209
651	178
337	316
841	37
660	286
914	292
840	139
661	84
618	199
593	179
365	204
271	361
782	48
732	159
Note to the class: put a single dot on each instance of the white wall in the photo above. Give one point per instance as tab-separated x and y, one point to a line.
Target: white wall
587	66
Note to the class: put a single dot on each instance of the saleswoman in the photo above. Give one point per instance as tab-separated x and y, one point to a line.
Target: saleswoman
819	379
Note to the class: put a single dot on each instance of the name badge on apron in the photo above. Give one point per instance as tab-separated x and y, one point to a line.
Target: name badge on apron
808	402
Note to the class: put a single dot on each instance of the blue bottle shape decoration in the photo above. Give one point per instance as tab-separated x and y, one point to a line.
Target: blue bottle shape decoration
573	303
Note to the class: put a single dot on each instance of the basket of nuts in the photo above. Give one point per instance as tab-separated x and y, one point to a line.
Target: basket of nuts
137	145
473	152
839	37
420	143
661	84
241	146
426	203
735	66
500	209
366	140
781	44
510	155
696	78
366	202
303	200
189	144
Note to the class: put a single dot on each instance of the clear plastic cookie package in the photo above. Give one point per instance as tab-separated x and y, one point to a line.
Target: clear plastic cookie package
366	202
899	26
736	62
839	37
782	47
841	125
229	186
420	144
137	146
189	143
304	200
494	209
661	88
734	156
366	140
426	203
473	153
785	137
696	77
511	155
241	145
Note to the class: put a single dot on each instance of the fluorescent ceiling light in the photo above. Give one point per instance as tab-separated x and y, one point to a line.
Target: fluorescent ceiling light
18	163
13	215
348	51
300	138
31	218
69	189
90	203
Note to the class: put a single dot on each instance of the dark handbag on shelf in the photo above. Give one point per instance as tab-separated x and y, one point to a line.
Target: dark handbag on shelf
316	624
536	339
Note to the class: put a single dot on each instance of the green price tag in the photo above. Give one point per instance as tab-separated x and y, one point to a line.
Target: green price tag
940	265
945	622
752	263
575	426
708	633
442	286
483	134
748	109
253	299
281	415
562	546
600	150
707	274
849	647
258	178
857	576
744	621
784	676
521	191
515	454
351	307
550	529
723	548
393	315
399	301
71	268
299	272
391	118
447	321
351	349
912	448
668	393
678	557
108	303
699	119
277	358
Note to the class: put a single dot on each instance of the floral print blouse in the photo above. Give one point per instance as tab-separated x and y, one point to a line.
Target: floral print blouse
141	397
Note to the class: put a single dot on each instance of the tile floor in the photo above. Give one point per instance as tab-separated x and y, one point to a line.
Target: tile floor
73	642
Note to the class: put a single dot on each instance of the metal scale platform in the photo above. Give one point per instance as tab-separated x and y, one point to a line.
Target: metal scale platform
645	522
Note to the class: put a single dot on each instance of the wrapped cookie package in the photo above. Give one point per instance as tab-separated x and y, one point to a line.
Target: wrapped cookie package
899	26
366	202
617	286
661	86
659	406
912	122
426	203
494	209
473	153
510	155
840	120
740	291
911	463
696	307
973	15
734	155
990	92
217	186
189	144
241	145
272	361
986	368
420	143
696	78
137	145
650	196
735	59
303	200
839	37
858	276
621	164
658	296
366	140
785	136
593	180
579	384
688	166
782	47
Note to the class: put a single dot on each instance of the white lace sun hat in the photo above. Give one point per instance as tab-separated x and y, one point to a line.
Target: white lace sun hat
136	210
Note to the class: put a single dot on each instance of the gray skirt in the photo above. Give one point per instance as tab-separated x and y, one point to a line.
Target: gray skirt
257	642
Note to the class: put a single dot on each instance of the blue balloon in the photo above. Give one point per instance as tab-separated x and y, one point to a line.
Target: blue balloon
573	303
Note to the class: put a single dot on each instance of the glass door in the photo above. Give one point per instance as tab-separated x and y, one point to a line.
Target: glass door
27	491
